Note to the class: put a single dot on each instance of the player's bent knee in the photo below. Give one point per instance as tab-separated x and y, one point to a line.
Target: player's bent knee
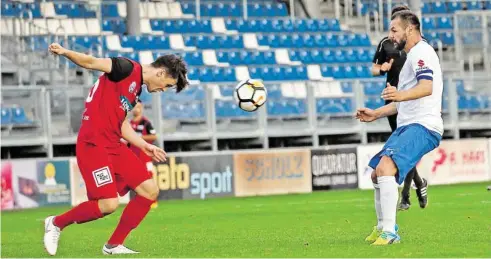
148	189
108	206
386	167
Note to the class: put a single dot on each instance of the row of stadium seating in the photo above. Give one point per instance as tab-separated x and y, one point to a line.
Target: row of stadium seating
14	116
147	9
433	7
305	40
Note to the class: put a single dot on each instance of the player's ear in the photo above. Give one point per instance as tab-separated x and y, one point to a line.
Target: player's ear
160	72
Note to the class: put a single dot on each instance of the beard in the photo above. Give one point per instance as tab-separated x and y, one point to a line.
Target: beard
401	45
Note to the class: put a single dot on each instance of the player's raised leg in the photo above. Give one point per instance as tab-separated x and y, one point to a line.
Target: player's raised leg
101	191
133	172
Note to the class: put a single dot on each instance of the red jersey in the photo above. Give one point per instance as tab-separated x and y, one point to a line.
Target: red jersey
109	100
142	127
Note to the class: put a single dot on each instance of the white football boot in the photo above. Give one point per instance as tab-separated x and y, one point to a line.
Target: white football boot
117	250
51	235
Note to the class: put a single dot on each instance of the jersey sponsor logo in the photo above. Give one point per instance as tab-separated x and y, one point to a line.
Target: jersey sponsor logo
125	104
102	176
421	63
132	87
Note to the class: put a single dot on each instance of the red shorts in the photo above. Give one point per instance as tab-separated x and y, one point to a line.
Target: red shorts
109	171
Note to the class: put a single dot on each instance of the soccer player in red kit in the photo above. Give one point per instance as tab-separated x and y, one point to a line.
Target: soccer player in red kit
143	127
108	167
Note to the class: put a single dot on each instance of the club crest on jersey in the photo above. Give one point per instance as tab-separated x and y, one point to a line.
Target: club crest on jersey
125	104
132	87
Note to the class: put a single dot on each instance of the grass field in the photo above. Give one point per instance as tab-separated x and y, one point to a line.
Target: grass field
457	223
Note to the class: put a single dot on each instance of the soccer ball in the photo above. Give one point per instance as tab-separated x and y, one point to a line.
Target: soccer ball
250	94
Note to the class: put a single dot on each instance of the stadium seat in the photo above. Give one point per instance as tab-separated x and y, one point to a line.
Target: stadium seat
429	23
444	23
454	6
6	116
19	116
474	5
425	7
438	7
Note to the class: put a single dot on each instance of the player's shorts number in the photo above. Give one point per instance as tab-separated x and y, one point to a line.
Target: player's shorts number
92	92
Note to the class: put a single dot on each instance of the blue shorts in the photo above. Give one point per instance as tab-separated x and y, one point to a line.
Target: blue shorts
406	146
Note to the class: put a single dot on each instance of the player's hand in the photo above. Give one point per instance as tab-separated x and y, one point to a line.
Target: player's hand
155	153
366	115
387	65
56	49
390	93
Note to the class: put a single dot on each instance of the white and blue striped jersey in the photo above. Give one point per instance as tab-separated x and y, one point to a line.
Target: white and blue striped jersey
422	63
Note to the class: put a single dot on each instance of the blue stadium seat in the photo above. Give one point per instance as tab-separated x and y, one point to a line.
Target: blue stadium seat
448	38
363	55
363	71
347	87
429	23
193	110
116	26
193	58
327	71
316	56
228	90
6	116
340	56
350	72
109	10
85	41
19	116
374	102
474	5
454	6
274	91
425	7
338	72
11	9
444	23
488	5
438	7
334	106
188	8
343	40
332	40
373	88
328	56
193	73
74	10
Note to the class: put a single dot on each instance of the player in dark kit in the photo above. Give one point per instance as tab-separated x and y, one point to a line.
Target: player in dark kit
144	128
108	167
389	60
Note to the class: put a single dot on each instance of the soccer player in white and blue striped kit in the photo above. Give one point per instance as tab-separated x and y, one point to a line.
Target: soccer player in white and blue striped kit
417	102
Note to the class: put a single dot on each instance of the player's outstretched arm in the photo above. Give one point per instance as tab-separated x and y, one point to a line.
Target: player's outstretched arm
82	60
368	115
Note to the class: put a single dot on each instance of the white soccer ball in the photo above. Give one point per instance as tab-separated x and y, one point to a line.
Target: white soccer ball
250	94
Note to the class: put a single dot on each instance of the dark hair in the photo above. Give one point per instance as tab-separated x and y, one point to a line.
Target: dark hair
175	67
399	8
408	17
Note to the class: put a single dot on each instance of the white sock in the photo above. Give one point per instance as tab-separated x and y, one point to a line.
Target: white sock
378	207
388	202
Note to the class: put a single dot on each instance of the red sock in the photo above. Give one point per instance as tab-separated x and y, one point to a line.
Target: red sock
133	214
84	212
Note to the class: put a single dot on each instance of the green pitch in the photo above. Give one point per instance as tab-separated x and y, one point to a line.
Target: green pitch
321	224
